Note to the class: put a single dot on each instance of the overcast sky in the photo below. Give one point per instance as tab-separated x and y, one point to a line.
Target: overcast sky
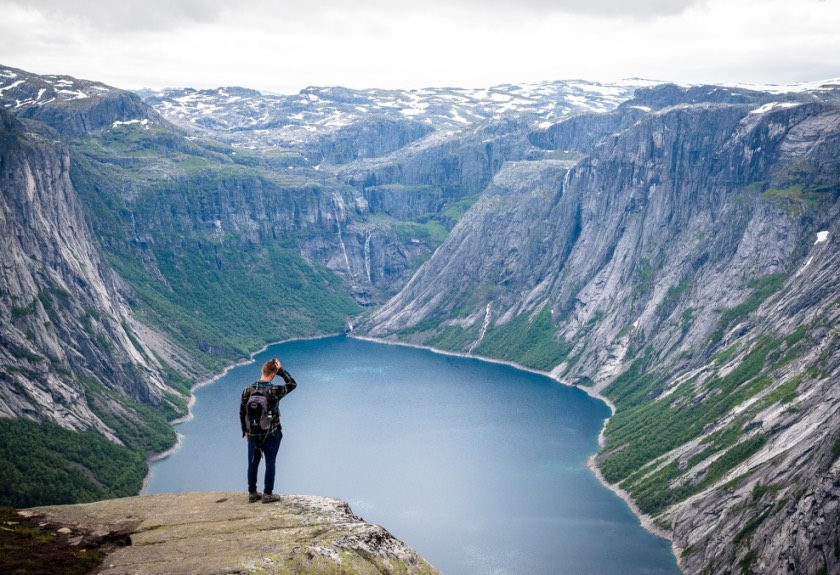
283	46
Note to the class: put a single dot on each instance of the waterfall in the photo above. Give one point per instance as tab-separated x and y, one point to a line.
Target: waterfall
566	177
484	326
338	213
367	258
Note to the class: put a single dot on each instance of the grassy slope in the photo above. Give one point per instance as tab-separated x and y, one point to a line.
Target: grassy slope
218	298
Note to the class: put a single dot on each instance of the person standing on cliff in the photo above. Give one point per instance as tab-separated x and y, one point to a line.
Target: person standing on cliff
259	417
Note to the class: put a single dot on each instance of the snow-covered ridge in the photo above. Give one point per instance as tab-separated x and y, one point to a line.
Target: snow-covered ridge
20	89
256	119
815	86
250	118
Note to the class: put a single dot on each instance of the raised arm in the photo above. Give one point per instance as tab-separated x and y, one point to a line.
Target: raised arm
290	384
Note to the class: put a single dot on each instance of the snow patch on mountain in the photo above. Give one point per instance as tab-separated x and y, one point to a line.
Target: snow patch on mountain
817	85
144	123
255	119
772	105
21	89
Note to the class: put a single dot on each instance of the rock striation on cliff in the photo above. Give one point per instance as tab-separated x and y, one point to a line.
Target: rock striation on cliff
61	302
215	532
684	266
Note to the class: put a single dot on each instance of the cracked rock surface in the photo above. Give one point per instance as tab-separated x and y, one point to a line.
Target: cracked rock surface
215	532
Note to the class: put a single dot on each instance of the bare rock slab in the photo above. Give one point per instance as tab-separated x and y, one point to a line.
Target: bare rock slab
211	533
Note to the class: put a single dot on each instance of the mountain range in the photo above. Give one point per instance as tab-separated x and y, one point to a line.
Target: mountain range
671	249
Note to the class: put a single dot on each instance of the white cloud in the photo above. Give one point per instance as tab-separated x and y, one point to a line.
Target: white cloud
132	15
121	16
285	46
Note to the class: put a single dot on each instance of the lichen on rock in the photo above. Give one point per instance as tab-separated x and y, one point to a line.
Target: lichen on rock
215	532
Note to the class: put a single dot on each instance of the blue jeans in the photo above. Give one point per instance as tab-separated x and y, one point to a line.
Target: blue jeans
256	449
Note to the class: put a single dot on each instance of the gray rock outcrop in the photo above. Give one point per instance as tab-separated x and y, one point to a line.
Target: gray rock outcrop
214	532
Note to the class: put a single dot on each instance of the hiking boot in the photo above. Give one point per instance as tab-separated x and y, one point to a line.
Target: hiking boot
254	497
270	498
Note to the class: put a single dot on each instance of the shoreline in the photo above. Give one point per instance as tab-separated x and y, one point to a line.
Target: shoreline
645	520
191	402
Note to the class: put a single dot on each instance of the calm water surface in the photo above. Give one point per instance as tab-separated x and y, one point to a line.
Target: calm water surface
480	467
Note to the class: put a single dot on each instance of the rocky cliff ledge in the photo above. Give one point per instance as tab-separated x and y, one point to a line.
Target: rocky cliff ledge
213	532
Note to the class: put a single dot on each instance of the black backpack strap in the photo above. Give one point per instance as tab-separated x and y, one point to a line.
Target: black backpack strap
256	387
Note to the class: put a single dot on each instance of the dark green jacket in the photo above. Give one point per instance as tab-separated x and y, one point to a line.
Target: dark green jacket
274	395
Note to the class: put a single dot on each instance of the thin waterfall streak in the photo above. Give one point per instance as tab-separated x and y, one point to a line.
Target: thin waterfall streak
484	327
341	240
367	258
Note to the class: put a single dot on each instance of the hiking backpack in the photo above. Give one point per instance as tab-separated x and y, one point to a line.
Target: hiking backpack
257	412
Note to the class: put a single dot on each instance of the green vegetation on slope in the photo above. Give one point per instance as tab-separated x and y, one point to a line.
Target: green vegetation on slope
141	427
226	309
154	196
431	228
647	425
529	340
762	288
46	464
454	338
640	433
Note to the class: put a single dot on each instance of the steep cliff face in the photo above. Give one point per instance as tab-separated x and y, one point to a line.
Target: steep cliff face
395	169
221	209
371	137
686	269
64	320
428	175
100	385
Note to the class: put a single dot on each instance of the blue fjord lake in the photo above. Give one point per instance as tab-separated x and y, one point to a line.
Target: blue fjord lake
479	466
